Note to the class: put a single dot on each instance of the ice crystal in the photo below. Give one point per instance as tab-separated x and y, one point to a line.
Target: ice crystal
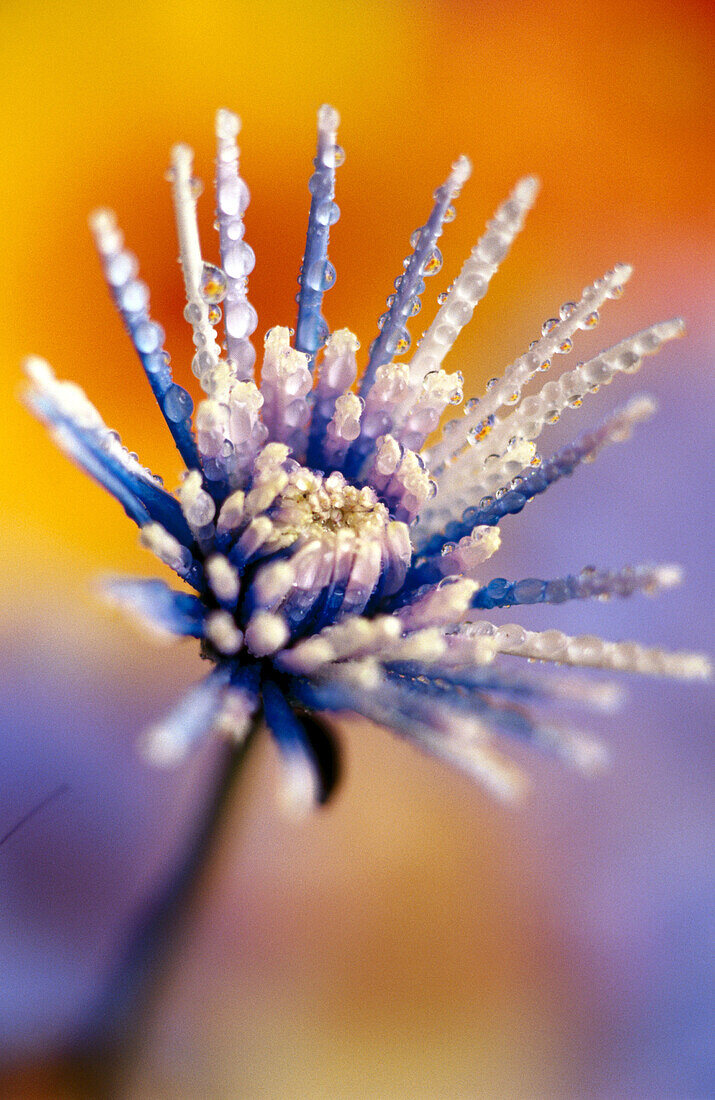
315	589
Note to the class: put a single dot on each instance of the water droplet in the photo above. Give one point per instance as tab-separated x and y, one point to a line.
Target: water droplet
320	275
389	300
397	282
415	237
398	341
471	404
121	268
327	213
565	346
213	284
616	292
493	248
415	306
591	320
575	401
233	197
442	297
434	263
480	431
203	361
492	383
549	325
314	331
192	313
214	315
156	362
334	157
319	185
567	309
148	337
241	319
134	296
213	469
196	188
450	214
239	261
177	403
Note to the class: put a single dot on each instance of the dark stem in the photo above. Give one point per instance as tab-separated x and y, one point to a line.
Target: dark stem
99	1062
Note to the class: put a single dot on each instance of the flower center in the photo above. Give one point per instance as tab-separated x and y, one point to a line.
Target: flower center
313	506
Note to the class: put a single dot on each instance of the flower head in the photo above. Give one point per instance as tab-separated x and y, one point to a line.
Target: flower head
332	561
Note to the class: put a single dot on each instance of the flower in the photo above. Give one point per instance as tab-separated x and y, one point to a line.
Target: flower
315	588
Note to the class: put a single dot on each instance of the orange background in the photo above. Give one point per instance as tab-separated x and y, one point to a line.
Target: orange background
414	939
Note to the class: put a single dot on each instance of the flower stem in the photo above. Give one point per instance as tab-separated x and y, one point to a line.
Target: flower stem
100	1061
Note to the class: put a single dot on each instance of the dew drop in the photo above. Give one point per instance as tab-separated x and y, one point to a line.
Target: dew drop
177	403
549	325
121	268
148	337
320	275
239	261
192	313
241	319
327	213
156	362
334	157
434	263
134	296
213	284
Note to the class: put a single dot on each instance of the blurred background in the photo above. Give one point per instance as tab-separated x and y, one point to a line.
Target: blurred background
414	938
